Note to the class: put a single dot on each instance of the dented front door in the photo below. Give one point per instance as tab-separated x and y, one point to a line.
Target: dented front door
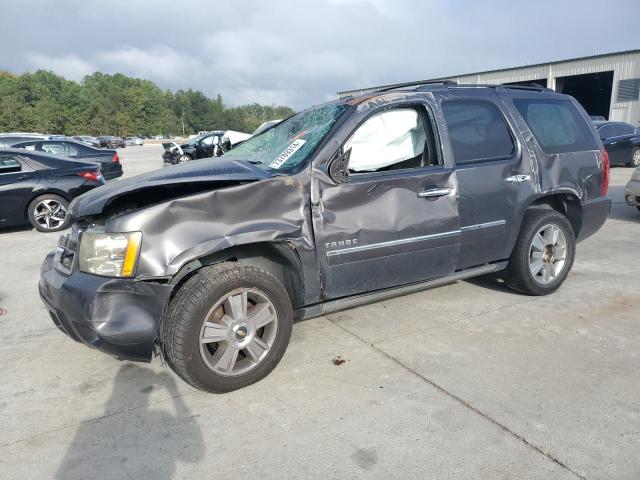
383	230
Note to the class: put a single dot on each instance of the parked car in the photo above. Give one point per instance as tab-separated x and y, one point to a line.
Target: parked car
108	159
197	147
109	141
134	141
7	141
93	141
622	142
36	188
632	189
348	202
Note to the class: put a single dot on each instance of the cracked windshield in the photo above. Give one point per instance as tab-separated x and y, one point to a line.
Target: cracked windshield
289	144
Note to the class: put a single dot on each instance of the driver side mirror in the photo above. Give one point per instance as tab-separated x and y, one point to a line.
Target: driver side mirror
339	167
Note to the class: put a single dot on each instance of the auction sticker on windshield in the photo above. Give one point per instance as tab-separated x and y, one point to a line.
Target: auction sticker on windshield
286	155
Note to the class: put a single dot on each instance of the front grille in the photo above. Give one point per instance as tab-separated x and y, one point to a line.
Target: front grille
65	255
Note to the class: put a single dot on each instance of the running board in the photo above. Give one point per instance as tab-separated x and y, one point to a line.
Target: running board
365	298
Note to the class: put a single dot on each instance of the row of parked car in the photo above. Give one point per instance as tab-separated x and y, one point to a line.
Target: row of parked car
40	175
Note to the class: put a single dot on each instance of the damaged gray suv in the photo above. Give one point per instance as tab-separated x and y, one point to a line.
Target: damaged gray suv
209	263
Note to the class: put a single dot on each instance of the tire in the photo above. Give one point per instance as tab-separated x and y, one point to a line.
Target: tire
187	334
551	263
635	158
184	158
48	213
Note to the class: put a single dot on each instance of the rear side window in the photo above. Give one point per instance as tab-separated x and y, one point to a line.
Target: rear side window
9	165
623	129
557	125
477	130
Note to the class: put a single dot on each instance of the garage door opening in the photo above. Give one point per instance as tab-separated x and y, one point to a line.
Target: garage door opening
592	90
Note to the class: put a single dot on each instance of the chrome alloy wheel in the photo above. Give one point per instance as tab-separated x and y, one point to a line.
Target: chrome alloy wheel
238	332
49	214
547	254
636	158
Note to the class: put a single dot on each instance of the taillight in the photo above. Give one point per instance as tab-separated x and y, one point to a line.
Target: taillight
115	159
93	176
606	172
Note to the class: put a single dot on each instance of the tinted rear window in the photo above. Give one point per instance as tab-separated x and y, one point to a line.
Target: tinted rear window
557	125
477	131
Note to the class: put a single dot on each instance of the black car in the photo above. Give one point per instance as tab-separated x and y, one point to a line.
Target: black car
348	202
622	142
204	146
108	159
109	141
36	188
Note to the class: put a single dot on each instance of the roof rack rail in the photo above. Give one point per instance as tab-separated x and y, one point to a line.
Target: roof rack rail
529	86
418	85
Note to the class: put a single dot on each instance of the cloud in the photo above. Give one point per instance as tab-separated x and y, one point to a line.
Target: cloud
158	62
69	66
301	53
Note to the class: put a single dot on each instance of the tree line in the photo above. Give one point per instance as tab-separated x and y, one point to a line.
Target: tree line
103	104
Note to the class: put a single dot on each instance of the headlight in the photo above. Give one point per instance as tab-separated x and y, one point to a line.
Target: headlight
636	175
109	254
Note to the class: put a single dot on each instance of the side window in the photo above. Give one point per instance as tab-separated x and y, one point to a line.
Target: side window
70	151
557	125
605	131
54	148
9	165
391	140
477	130
623	129
207	140
29	146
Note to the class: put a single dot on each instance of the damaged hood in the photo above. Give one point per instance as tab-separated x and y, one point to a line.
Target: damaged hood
198	174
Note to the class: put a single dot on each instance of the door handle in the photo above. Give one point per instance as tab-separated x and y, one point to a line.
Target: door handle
435	192
518	178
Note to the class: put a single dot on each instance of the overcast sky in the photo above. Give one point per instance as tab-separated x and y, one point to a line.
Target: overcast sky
300	53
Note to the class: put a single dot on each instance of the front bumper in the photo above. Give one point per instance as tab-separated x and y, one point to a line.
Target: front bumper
120	317
632	193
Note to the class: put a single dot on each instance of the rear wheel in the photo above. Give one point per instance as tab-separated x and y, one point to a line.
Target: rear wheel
227	327
635	158
48	213
543	254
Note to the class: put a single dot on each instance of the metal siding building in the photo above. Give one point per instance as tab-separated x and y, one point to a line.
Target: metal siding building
607	85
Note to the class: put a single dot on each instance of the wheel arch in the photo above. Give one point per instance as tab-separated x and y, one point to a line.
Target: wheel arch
566	203
278	258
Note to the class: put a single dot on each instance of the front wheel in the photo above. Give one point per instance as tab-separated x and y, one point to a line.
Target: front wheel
227	327
543	254
184	158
